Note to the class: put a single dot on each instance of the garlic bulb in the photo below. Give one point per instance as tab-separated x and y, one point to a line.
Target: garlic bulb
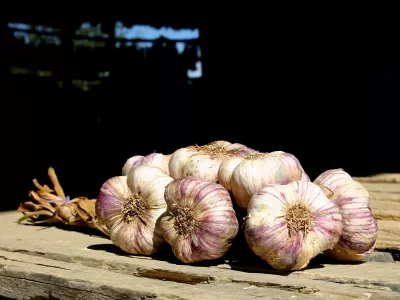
200	222
288	225
129	207
154	159
244	176
204	161
360	229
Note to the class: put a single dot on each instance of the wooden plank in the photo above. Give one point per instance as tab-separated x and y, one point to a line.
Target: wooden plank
384	193
44	258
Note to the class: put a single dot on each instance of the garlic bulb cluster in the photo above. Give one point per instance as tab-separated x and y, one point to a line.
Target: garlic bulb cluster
155	159
187	199
244	176
360	229
129	207
288	225
204	161
200	222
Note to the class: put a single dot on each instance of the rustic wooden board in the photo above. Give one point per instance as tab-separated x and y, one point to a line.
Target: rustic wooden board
385	204
45	262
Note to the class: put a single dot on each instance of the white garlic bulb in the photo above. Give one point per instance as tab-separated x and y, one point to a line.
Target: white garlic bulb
288	225
204	161
200	222
154	159
244	176
129	207
360	229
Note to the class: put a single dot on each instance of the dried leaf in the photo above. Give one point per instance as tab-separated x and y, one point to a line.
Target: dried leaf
88	206
48	196
51	206
37	199
35	214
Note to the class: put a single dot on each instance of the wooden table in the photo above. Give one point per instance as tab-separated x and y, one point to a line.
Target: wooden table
55	263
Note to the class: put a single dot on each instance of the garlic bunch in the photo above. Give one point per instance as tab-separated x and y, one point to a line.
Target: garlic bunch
129	207
200	222
288	225
204	161
360	229
244	176
154	159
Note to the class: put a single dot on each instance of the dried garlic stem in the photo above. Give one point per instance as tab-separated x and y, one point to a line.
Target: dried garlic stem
57	187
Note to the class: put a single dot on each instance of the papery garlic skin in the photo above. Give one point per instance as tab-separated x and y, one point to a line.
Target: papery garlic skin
288	225
225	171
131	163
155	159
246	176
360	228
200	222
204	161
129	207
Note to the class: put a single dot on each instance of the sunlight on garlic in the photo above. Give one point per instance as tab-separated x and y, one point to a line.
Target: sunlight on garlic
129	207
360	229
204	161
246	175
200	222
288	225
155	159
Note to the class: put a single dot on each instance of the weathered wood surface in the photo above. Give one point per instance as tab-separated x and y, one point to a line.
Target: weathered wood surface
54	263
384	192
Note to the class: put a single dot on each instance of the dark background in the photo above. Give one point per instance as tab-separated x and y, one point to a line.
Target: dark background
328	96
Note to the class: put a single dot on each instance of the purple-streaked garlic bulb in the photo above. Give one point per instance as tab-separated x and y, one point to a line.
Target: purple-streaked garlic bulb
244	176
288	225
204	161
154	159
129	207
200	222
360	229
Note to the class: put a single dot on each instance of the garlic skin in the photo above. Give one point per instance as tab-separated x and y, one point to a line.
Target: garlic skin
288	225
246	175
154	159
200	222
129	207
360	229
204	161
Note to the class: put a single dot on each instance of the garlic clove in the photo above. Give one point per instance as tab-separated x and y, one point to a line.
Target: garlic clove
226	170
360	228
200	222
288	225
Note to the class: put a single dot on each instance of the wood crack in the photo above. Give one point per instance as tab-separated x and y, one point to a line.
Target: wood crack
37	264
